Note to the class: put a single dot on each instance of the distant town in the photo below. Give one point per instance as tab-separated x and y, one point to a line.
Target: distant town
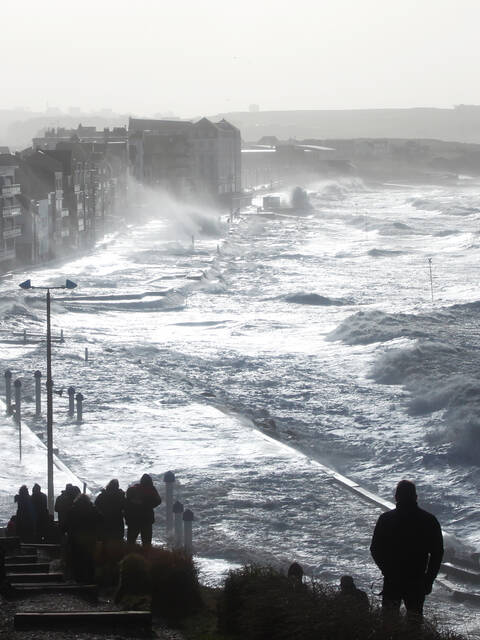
62	193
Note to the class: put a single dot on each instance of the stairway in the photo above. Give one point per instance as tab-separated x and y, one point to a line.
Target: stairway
28	571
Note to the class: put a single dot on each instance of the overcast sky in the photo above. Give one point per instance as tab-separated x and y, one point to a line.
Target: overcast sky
192	57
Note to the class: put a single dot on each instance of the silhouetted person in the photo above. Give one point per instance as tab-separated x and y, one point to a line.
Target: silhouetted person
25	520
82	525
64	502
141	500
111	504
407	546
40	512
295	573
353	596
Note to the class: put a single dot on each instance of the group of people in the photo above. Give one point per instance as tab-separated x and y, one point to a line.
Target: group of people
407	547
407	543
32	522
82	523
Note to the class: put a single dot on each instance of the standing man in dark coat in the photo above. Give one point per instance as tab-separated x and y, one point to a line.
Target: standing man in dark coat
25	521
40	512
407	546
111	504
141	500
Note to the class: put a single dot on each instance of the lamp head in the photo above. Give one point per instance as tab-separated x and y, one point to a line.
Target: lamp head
69	284
26	285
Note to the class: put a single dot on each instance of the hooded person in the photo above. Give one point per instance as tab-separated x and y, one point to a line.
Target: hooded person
352	596
111	504
141	500
64	502
407	546
40	512
25	520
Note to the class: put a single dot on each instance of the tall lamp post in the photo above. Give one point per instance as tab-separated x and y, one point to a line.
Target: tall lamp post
50	491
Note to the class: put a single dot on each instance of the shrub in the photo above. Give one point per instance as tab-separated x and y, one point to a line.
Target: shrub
175	586
171	577
260	603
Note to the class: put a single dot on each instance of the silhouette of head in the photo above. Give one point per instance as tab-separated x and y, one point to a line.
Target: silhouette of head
82	500
406	493
295	572
36	488
146	480
112	485
23	491
347	583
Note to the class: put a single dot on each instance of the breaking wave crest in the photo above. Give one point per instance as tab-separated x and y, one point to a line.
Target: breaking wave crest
368	327
315	299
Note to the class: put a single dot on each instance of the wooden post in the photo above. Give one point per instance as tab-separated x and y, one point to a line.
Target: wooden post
187	531
38	393
18	413
79	399
8	391
61	336
169	479
86	354
24	336
71	401
178	511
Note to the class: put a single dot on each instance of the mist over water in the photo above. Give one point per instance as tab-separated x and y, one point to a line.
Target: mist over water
317	329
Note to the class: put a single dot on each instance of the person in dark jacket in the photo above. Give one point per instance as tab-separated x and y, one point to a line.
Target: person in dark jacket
111	504
407	546
352	596
40	512
83	526
141	500
25	520
64	502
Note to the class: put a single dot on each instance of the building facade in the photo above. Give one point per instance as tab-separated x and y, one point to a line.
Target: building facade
189	159
10	209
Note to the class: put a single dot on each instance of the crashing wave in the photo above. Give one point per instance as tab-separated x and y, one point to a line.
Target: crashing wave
315	299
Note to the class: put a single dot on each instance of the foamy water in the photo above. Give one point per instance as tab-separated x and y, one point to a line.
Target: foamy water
319	329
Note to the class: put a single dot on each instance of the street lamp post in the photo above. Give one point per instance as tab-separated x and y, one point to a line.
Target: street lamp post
50	490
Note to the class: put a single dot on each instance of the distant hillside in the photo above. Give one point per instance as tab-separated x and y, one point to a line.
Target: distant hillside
460	124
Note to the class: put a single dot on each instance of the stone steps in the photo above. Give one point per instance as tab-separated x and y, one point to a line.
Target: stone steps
54	576
21	559
21	589
22	567
106	620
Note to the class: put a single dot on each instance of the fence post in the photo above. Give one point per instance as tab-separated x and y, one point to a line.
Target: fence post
71	401
24	336
84	487
86	354
18	412
8	391
187	531
61	336
178	511
169	479
38	393
79	398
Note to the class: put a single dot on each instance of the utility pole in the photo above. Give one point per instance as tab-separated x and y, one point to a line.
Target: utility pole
50	487
431	277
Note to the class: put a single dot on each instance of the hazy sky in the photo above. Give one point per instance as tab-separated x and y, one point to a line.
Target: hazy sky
193	57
